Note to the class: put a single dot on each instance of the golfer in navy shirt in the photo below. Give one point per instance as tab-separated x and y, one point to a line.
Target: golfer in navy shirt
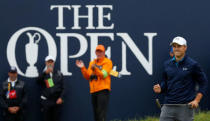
181	74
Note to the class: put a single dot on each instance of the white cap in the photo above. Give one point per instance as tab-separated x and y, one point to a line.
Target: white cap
179	40
49	57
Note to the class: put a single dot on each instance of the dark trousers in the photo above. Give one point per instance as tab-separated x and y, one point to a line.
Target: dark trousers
51	112
13	117
100	102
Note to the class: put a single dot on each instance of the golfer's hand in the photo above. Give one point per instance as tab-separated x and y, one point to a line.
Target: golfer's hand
194	104
157	88
80	63
59	101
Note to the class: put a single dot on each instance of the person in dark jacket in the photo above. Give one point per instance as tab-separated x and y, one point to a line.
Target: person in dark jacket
52	93
13	97
171	53
181	74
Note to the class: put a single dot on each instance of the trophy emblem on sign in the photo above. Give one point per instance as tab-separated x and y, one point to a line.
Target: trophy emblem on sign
32	53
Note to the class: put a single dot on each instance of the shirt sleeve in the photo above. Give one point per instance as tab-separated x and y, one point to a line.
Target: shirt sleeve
40	79
3	104
62	83
201	78
163	83
86	72
24	97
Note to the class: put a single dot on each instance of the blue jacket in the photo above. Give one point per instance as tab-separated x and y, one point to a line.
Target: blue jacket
180	79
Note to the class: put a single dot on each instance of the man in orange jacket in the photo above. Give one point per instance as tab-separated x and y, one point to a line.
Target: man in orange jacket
99	80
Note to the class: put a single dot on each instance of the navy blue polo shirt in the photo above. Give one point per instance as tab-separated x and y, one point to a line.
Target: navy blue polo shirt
180	79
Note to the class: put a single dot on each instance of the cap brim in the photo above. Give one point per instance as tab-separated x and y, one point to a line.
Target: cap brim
100	50
50	60
171	43
12	71
175	43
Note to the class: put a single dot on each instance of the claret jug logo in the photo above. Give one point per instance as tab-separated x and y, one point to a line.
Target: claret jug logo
31	49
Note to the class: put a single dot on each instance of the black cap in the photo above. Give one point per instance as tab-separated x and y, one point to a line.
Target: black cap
13	69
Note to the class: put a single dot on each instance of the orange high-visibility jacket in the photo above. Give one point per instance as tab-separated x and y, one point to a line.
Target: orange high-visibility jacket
102	72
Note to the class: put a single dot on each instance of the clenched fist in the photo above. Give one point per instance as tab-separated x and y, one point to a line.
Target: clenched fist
157	88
